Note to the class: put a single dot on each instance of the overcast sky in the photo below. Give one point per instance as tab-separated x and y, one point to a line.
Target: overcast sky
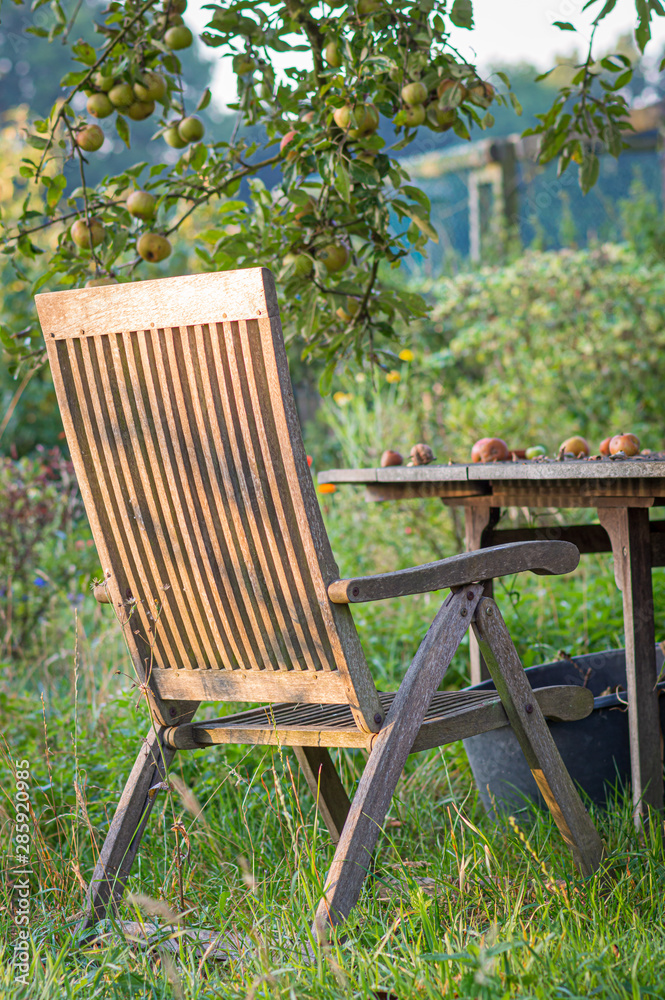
508	31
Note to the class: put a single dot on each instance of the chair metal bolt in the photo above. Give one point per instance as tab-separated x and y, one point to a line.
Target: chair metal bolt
463	612
488	611
470	595
378	718
528	708
172	711
355	591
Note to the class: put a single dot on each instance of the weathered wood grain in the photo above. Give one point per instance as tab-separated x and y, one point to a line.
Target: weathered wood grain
550	499
457	571
162	303
520	471
535	739
391	749
251	685
124	837
451	716
379	492
479	523
629	533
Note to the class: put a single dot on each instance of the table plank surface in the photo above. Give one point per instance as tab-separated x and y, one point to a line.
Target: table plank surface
642	467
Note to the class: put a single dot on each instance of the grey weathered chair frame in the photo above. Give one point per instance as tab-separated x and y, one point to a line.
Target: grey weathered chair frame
179	414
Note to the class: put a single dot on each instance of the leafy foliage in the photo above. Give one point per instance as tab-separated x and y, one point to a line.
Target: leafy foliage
590	111
547	346
345	210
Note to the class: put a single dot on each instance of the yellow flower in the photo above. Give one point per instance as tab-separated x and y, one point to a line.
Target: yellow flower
342	398
393	376
406	355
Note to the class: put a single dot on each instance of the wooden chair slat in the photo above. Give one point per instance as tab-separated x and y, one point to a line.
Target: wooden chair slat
127	579
239	422
219	499
183	444
172	525
195	479
143	509
292	564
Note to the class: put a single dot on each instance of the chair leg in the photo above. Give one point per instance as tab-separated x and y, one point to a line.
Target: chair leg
391	747
122	841
535	739
325	785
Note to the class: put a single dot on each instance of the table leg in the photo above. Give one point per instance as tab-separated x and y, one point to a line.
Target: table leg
628	528
478	525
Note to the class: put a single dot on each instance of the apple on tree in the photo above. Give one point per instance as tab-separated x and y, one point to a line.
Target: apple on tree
178	37
88	236
153	247
99	106
152	87
90	138
141	204
335	257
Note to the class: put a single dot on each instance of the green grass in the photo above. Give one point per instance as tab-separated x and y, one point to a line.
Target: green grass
502	913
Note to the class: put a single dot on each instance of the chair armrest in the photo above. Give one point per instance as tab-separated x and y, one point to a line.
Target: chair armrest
564	703
544	558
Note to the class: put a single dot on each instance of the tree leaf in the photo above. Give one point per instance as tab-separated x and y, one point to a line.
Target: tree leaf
342	182
205	100
589	172
122	128
461	13
564	26
325	382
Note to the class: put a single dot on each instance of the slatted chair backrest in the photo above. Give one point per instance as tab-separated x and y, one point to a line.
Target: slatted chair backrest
179	413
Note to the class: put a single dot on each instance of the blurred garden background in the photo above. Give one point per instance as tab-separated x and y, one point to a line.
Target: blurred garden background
552	323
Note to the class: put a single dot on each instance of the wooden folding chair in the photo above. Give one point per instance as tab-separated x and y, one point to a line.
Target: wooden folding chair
179	413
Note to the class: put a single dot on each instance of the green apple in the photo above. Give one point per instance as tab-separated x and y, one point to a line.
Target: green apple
121	96
191	129
415	115
141	204
153	247
139	110
335	257
103	82
172	137
179	37
151	88
99	106
332	55
87	236
90	138
414	93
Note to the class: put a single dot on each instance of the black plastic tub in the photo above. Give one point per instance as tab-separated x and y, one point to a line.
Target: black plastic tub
595	750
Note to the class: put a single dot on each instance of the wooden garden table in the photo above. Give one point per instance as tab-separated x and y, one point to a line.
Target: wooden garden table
622	491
